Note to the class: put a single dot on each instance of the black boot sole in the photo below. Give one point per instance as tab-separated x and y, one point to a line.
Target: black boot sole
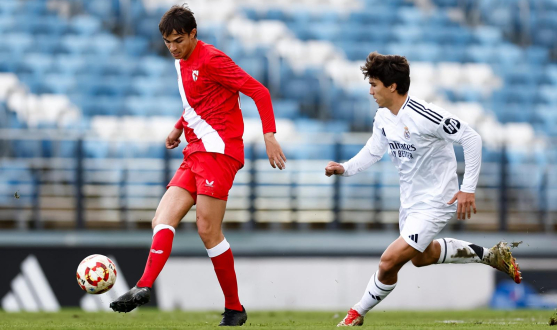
128	306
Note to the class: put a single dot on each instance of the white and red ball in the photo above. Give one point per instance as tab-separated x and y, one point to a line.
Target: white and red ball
96	274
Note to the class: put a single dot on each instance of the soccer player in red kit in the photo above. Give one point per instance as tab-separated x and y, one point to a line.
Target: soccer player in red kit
209	83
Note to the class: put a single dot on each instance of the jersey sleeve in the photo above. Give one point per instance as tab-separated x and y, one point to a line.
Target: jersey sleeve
472	144
454	130
180	123
450	127
370	154
262	98
224	71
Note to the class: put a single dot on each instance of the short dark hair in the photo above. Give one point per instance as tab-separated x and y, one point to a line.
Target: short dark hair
179	18
389	69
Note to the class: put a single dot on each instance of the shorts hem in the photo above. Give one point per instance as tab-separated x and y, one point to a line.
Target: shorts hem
193	195
225	198
413	244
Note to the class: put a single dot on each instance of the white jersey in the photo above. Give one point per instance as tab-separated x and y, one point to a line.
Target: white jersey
419	141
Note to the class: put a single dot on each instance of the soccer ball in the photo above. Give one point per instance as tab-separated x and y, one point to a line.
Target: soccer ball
96	274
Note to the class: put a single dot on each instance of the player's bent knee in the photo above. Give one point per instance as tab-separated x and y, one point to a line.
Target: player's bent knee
386	264
206	229
156	221
418	262
163	221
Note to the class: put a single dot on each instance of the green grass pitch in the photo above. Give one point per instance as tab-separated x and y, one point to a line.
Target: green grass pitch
153	319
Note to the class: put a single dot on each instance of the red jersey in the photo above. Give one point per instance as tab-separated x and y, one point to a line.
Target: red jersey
209	83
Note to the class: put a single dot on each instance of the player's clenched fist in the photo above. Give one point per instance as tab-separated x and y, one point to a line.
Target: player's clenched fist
334	168
173	139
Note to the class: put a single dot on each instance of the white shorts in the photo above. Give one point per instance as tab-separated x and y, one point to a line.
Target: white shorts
419	227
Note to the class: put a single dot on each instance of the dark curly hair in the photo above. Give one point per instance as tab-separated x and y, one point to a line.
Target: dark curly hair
390	69
179	18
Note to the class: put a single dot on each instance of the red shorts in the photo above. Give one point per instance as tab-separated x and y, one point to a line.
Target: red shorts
206	173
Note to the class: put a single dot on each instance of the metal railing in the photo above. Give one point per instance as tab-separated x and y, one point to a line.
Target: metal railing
48	180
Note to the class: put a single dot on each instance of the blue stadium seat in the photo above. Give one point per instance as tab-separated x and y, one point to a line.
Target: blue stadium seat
85	25
286	109
254	65
551	74
48	44
275	14
102	106
105	44
426	53
406	34
509	55
537	55
249	109
168	106
481	54
136	46
26	149
358	51
486	35
34	7
155	66
141	106
105	10
148	27
59	83
148	86
9	8
401	49
76	45
96	148
458	35
8	63
122	65
324	31
37	63
51	26
410	16
17	43
69	64
7	24
548	95
313	151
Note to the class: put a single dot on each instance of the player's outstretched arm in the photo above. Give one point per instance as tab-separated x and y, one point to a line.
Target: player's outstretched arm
173	139
466	203
334	168
274	151
472	144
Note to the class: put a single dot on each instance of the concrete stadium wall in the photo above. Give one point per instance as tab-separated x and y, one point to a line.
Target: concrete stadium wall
321	284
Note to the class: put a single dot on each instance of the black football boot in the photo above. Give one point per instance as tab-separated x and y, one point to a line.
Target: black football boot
233	318
131	299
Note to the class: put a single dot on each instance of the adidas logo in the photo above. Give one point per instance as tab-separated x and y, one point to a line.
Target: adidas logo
414	237
374	296
30	290
101	302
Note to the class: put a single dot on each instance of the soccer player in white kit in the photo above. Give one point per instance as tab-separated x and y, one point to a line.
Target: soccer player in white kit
419	137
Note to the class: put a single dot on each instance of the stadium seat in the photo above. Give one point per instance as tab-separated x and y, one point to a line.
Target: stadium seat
136	46
105	44
85	25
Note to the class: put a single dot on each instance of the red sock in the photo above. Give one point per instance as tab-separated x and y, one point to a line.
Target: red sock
224	267
160	251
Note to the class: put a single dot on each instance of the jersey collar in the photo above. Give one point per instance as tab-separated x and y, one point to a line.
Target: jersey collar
405	103
195	51
397	117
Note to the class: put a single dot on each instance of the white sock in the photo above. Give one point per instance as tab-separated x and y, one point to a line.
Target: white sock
454	251
218	249
375	293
